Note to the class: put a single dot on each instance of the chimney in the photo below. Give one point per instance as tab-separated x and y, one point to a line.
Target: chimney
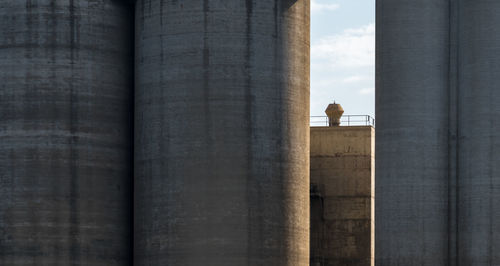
334	112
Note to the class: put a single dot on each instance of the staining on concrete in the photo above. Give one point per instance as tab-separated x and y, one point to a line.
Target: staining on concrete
342	196
236	189
65	131
437	180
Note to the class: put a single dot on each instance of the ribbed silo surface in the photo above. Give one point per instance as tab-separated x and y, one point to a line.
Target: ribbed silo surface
412	132
222	133
479	133
65	107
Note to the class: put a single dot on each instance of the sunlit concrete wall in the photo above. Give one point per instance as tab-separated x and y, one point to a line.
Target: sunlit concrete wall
342	195
221	132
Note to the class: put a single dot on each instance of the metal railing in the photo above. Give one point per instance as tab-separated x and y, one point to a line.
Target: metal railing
345	120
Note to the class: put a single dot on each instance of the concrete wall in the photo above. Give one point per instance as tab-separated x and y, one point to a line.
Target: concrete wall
479	133
66	73
412	132
222	132
342	196
437	137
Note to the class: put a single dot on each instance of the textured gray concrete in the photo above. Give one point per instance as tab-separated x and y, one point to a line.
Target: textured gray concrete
412	132
479	133
473	72
342	196
452	136
222	132
65	129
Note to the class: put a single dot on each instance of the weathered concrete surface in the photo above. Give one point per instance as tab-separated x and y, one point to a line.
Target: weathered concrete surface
342	196
479	133
65	112
473	132
222	133
412	67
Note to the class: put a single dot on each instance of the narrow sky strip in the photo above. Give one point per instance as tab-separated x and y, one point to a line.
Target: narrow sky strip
343	55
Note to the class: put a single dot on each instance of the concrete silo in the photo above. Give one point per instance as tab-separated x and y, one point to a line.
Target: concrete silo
479	133
412	80
222	132
65	127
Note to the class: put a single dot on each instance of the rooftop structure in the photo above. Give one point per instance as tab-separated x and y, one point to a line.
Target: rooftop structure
342	195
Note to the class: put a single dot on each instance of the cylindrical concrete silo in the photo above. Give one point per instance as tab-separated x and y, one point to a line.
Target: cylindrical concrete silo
222	133
65	126
479	133
412	132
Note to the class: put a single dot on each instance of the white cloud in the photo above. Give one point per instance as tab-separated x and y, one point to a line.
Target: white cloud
354	79
351	48
366	91
343	69
318	7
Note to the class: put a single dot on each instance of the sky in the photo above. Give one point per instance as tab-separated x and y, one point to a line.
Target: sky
343	56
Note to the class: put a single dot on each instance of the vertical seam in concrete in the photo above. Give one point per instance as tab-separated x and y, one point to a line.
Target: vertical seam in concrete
29	28
453	136
454	254
457	131
131	176
251	184
29	40
491	156
161	23
209	139
164	141
206	76
451	131
74	219
53	74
